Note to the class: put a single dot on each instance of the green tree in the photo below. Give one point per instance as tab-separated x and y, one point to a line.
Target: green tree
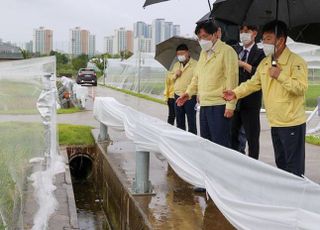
80	61
116	56
125	54
25	54
98	61
61	57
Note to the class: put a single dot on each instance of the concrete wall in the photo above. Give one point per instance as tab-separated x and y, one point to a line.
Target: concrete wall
120	207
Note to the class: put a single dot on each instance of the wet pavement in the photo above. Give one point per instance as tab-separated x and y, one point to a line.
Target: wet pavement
176	205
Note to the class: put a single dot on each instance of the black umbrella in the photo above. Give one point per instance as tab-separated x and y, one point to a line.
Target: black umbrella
306	33
258	12
230	31
166	50
150	2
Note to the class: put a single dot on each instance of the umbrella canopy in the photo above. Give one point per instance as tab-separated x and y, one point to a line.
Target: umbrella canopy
150	2
205	18
259	12
166	51
230	31
306	33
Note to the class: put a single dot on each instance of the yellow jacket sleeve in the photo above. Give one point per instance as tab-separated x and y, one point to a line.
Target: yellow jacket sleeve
193	87
248	87
297	83
168	86
232	74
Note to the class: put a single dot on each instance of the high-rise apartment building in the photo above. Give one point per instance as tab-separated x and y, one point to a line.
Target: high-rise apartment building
176	30
108	44
157	31
92	45
42	41
81	42
129	41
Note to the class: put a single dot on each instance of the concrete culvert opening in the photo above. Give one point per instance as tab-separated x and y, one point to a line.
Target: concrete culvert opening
81	166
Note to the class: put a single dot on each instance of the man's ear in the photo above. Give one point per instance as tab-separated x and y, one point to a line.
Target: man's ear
282	41
219	33
255	33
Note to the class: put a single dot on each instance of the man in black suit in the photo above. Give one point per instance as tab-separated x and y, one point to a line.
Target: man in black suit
247	113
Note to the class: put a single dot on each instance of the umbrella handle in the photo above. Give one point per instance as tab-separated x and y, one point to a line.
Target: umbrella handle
209	5
273	61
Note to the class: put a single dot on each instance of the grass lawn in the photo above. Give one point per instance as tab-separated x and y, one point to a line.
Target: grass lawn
19	142
147	97
75	135
313	140
18	97
69	110
311	97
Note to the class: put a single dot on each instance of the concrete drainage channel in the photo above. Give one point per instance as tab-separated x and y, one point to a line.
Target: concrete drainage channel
83	168
103	201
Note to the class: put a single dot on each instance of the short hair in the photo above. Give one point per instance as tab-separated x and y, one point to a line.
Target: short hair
282	29
209	26
182	47
251	27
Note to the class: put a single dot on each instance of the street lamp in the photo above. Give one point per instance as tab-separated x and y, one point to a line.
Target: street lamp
104	69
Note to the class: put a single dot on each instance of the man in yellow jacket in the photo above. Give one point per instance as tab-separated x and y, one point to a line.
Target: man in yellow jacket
169	97
216	71
283	87
182	73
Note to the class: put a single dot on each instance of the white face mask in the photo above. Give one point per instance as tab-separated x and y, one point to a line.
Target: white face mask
268	49
181	58
245	38
205	44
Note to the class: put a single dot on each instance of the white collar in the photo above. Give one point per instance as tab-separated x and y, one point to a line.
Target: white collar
249	48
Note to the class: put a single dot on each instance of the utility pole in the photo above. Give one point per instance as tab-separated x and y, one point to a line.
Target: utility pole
139	71
104	69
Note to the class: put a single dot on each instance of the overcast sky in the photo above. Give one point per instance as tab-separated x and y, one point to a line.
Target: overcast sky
18	18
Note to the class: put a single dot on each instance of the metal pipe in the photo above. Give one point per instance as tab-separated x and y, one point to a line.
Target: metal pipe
274	58
103	134
142	183
209	5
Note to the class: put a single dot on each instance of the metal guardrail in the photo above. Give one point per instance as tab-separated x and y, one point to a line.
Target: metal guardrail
142	184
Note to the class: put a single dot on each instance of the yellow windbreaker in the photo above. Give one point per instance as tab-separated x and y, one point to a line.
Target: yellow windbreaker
215	74
169	86
181	83
283	97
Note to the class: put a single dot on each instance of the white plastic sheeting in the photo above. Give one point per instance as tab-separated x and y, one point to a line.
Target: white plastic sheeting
313	123
140	73
250	193
310	53
28	87
80	94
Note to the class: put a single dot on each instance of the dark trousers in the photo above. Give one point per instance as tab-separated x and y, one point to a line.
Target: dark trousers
214	126
250	120
172	114
242	140
187	110
289	148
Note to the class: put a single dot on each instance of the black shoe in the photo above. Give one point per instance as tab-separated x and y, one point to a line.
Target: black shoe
198	189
